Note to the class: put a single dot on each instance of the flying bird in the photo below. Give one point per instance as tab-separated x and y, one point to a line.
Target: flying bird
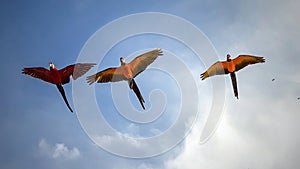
231	66
127	72
59	77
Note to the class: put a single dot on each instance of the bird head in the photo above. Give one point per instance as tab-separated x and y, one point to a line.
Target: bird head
51	65
228	57
122	60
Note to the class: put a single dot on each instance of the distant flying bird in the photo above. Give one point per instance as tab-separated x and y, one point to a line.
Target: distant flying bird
298	98
231	66
127	72
59	77
273	80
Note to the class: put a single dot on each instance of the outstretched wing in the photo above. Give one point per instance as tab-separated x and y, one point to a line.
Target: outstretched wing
138	93
76	70
107	75
141	62
40	73
244	60
218	68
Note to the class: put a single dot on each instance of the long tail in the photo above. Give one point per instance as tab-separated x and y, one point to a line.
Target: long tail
234	85
62	92
137	92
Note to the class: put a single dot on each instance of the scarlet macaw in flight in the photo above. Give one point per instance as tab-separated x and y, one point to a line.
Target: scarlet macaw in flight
127	72
59	77
231	66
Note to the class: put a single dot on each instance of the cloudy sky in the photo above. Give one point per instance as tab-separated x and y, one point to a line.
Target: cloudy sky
257	131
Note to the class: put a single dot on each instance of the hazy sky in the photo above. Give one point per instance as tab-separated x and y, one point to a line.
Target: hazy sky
260	130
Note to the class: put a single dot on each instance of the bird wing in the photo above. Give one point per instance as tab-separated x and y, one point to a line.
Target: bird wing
141	62
218	68
76	70
244	60
107	75
40	73
138	93
234	85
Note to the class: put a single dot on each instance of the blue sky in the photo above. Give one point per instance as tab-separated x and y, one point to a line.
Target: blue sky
260	130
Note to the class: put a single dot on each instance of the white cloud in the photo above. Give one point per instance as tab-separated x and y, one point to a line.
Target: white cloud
144	166
61	151
58	151
114	140
228	148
